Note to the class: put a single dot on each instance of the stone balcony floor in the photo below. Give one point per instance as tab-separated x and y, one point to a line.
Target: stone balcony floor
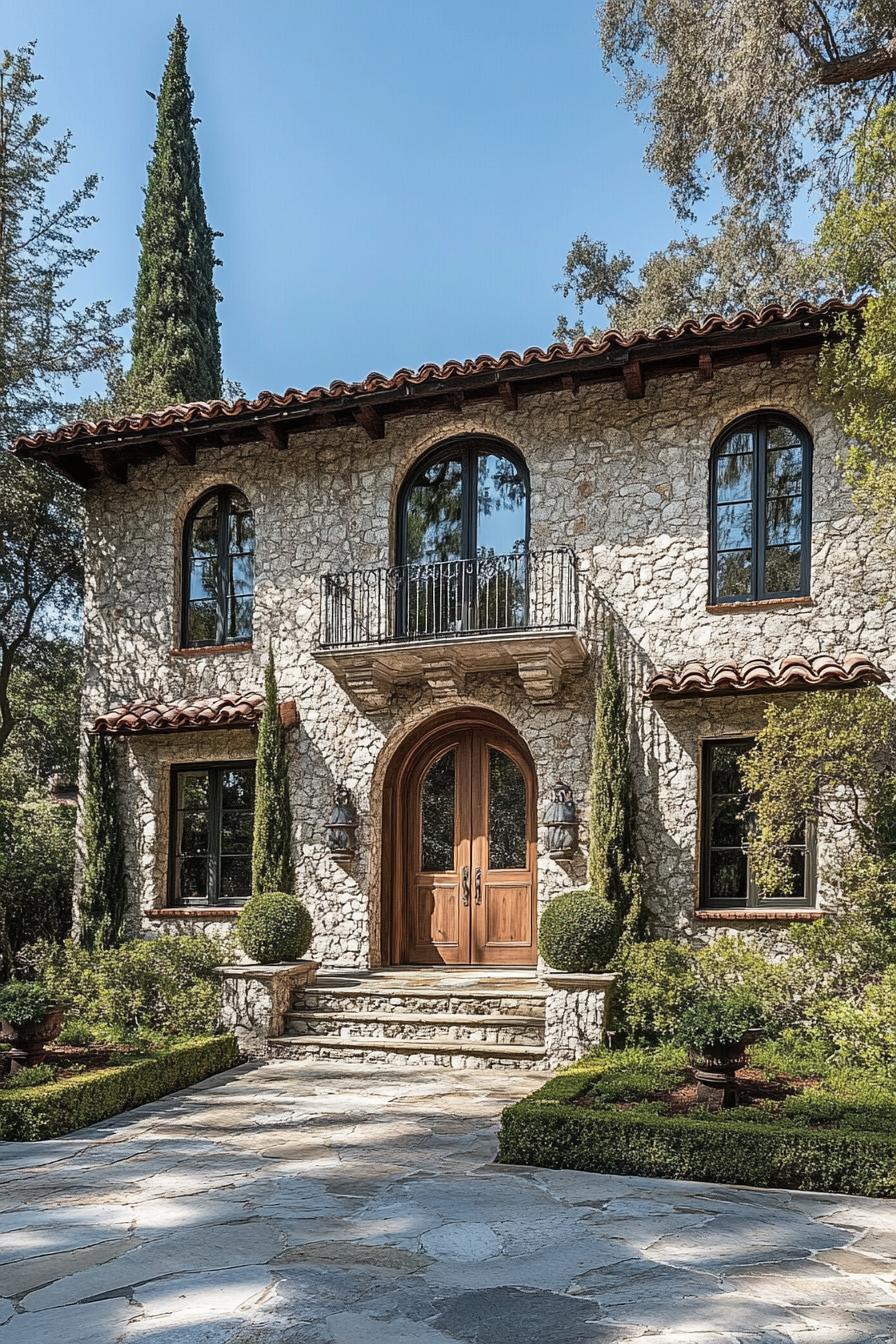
325	1203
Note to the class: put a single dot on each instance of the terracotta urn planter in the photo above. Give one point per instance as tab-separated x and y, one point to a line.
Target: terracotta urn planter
715	1068
29	1040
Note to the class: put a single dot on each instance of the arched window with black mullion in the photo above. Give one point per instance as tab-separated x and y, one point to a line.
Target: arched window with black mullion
218	570
463	532
760	510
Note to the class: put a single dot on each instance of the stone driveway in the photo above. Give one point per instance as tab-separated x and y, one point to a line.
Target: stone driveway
325	1203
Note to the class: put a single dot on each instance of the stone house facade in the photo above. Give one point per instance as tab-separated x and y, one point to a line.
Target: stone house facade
435	558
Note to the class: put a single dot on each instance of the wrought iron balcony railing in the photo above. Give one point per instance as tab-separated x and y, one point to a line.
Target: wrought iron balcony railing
494	594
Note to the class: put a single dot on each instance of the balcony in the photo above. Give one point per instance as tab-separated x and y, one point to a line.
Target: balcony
437	623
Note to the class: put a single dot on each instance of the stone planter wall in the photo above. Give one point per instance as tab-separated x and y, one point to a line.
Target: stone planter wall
255	1000
575	1014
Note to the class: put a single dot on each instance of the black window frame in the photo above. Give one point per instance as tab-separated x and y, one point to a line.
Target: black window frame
469	448
215	770
224	495
753	900
758	423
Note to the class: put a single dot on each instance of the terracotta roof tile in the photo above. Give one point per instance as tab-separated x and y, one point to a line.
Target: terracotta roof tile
450	372
759	675
242	710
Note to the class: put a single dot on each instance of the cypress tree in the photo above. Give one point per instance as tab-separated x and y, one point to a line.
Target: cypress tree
103	904
611	797
175	346
272	836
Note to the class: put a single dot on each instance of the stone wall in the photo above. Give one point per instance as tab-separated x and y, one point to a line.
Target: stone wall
623	482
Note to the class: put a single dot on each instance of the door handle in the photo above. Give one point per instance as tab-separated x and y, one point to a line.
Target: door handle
478	886
465	885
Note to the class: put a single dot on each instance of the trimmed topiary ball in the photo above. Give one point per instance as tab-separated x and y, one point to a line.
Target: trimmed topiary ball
578	932
274	927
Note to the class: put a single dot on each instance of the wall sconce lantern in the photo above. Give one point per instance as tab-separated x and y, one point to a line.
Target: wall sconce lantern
342	825
562	823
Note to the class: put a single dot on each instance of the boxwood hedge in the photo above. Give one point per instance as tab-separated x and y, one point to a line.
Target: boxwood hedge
548	1130
51	1109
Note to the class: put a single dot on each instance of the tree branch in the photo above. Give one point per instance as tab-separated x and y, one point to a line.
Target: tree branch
856	69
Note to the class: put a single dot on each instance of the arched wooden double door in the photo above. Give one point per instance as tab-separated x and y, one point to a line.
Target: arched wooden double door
467	831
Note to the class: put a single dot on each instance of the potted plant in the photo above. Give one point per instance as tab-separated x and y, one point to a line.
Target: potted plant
30	1018
716	1029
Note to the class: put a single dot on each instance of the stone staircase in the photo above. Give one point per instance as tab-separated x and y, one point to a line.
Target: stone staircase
454	1019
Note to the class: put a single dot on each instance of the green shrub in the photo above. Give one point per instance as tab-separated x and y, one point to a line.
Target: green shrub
547	1129
578	932
69	1104
76	1032
22	1002
714	1019
865	1032
733	963
33	1076
636	1074
657	981
274	927
794	1053
150	988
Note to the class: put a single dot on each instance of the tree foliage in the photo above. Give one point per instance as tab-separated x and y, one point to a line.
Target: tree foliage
40	573
36	874
857	240
272	836
103	903
762	94
746	264
760	98
47	345
175	346
47	342
830	755
44	694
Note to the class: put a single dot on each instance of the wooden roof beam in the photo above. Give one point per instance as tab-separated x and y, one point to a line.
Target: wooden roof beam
704	365
633	379
370	419
508	394
274	435
182	453
107	466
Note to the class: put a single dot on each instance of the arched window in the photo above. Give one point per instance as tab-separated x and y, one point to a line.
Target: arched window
760	507
218	570
463	531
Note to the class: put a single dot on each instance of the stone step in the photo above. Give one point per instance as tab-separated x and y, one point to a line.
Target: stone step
422	1053
503	1029
330	997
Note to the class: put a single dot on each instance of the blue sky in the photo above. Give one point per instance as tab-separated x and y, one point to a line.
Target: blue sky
396	180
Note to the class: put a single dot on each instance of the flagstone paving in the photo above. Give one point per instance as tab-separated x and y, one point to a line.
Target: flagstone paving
326	1203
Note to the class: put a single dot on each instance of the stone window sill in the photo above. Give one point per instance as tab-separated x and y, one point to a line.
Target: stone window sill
207	649
759	916
195	912
764	604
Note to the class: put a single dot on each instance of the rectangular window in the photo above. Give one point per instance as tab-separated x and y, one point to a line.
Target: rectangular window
726	882
212	814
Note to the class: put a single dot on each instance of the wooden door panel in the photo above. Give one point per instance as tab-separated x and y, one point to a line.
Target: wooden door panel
504	856
507	917
436	915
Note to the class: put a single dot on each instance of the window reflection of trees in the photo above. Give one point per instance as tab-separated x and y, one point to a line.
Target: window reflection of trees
437	816
506	812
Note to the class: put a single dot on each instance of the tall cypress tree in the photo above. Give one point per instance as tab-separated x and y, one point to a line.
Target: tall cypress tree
103	904
176	345
612	811
272	836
